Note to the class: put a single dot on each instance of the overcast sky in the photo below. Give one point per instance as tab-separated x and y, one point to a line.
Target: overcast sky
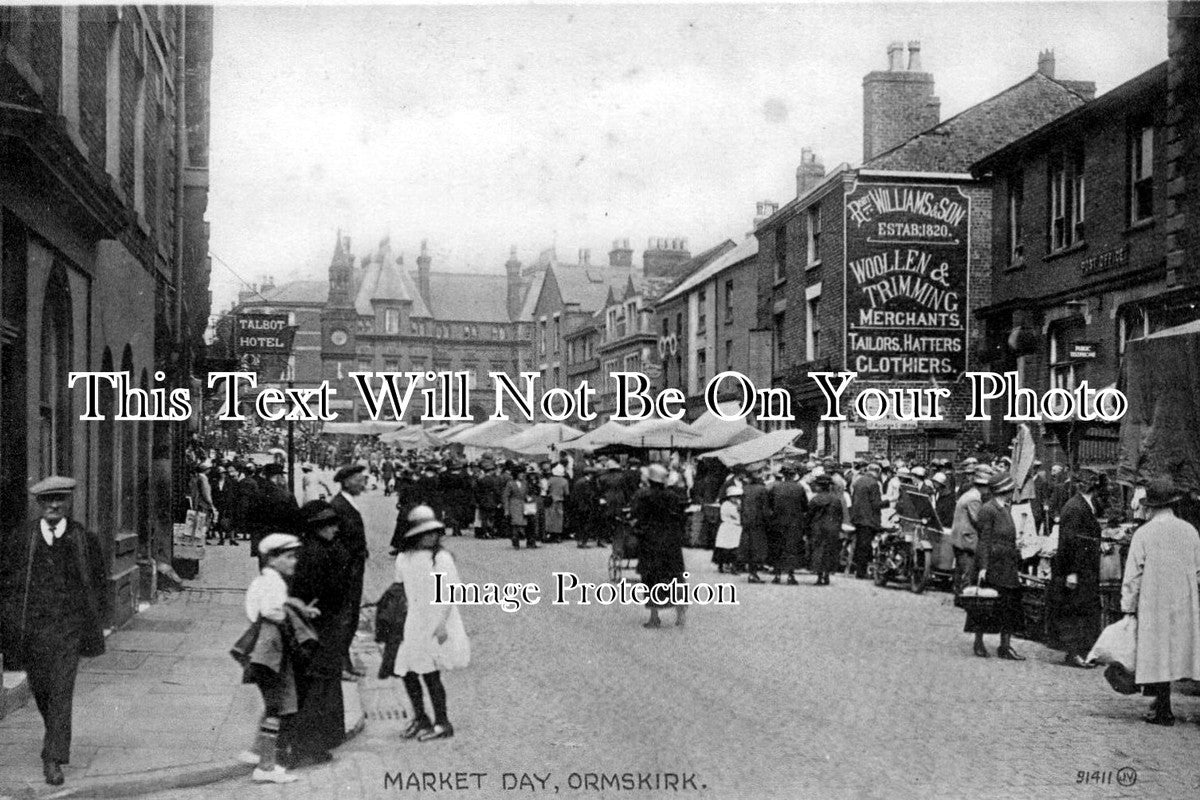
482	127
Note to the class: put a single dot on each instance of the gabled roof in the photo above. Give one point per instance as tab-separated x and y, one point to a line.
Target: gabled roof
532	292
385	280
747	249
954	145
469	296
1153	80
587	288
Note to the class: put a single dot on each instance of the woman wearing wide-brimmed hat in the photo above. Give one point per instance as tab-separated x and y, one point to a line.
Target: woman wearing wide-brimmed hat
1160	590
434	637
997	566
729	534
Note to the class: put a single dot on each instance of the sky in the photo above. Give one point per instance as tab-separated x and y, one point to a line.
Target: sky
482	127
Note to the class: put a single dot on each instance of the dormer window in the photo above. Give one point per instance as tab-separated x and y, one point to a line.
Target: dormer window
391	320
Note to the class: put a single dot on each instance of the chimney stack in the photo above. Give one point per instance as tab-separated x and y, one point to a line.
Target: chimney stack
664	256
512	269
809	173
897	103
1046	63
621	255
423	285
764	209
914	56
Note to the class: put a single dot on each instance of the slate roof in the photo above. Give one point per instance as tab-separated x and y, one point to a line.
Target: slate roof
469	296
384	279
1152	81
954	145
295	293
747	249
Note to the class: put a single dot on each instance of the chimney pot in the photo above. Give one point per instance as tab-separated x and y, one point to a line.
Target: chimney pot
1046	63
914	56
896	56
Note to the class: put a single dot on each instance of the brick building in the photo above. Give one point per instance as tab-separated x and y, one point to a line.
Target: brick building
1080	244
842	268
103	188
707	323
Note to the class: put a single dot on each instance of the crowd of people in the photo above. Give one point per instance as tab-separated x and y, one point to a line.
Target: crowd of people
767	522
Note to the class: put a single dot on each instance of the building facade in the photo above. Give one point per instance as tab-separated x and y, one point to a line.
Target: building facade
879	270
1080	244
103	188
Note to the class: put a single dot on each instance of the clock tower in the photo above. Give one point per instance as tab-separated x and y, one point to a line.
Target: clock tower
339	319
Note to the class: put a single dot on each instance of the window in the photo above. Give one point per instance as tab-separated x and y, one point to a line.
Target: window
1016	203
701	367
557	334
1141	173
364	365
666	326
1066	199
633	362
542	338
702	320
112	102
777	332
812	323
729	354
780	253
679	324
139	143
814	235
289	372
729	302
68	98
1063	371
391	320
610	324
610	367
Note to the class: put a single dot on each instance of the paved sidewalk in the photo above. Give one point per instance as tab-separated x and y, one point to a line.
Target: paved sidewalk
164	706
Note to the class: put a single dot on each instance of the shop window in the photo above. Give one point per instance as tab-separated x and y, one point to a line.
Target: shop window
55	399
1064	373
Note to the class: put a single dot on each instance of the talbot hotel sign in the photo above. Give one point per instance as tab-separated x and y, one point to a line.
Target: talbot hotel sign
906	282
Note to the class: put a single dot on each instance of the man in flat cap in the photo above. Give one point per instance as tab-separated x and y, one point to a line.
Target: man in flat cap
52	584
1073	598
352	533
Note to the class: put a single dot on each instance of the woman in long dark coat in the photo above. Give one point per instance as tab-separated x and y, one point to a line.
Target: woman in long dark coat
789	504
320	579
756	517
657	511
997	566
824	521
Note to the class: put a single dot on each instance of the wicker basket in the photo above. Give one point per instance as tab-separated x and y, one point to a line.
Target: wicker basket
977	604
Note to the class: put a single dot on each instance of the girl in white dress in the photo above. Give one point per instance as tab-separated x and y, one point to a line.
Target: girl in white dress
434	637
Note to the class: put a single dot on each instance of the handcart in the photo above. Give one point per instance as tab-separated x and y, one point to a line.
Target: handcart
624	555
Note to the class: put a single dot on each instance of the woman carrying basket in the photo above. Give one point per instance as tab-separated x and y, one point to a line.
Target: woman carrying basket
997	566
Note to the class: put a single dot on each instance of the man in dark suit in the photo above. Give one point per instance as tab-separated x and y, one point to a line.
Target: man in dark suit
866	501
273	509
1074	597
353	535
55	609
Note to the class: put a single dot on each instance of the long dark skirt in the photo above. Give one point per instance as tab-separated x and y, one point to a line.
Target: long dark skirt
319	725
723	556
1005	616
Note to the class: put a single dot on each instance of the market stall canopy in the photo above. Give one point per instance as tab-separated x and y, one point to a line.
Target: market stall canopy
608	433
769	445
450	430
715	432
413	438
1160	432
487	434
658	434
538	440
361	428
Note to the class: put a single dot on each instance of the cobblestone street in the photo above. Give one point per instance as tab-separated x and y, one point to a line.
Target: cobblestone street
845	692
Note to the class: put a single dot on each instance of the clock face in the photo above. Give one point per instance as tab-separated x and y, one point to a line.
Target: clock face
338	337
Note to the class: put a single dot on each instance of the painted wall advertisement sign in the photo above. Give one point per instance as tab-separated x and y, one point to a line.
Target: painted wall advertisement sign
906	249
